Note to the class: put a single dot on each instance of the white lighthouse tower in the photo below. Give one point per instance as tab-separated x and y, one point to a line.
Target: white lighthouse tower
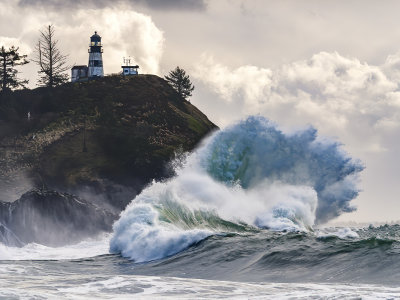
95	57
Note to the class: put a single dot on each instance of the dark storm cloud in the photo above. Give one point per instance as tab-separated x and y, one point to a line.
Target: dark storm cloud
197	5
173	4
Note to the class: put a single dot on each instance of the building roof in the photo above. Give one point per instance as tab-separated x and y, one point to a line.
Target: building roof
95	37
130	66
79	67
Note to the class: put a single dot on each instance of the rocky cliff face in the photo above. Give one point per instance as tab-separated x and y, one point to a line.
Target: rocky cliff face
102	140
51	218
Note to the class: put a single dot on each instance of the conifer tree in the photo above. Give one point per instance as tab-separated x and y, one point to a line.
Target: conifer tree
180	82
9	59
51	62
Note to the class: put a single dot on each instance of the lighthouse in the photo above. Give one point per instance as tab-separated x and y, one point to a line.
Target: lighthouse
95	57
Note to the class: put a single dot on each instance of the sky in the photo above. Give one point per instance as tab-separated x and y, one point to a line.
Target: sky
334	65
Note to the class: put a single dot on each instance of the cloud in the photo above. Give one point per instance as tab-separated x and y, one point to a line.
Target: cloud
124	33
339	95
247	82
8	42
197	5
173	4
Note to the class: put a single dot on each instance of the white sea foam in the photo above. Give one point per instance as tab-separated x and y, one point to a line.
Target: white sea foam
140	236
249	173
342	233
84	249
4	252
154	287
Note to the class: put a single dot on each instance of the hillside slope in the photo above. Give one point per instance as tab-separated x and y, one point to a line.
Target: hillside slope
103	140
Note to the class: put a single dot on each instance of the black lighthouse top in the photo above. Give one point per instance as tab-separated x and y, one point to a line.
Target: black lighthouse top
95	43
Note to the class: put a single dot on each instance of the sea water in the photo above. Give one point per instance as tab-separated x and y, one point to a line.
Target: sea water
242	218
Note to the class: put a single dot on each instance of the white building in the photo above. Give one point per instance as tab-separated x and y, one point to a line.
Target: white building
79	73
128	69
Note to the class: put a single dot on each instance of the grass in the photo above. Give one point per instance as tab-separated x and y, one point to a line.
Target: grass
136	124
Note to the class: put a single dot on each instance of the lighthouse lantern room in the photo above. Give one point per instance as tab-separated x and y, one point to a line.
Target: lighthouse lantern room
95	57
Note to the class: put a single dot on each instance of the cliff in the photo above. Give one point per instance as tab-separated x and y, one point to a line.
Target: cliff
102	140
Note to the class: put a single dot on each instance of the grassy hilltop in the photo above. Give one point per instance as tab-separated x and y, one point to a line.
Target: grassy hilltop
132	125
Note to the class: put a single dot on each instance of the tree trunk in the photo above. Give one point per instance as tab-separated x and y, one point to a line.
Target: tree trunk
51	81
84	148
4	83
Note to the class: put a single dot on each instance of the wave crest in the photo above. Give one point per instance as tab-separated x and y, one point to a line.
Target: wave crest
255	150
248	176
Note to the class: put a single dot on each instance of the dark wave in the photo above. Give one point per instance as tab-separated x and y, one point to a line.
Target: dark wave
288	257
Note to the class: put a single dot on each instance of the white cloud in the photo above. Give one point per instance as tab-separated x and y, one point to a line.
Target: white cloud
124	33
248	81
7	42
339	95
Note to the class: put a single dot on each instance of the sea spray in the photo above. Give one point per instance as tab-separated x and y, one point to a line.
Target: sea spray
255	150
249	175
7	237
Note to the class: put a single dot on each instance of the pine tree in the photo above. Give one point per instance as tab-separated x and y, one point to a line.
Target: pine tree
9	59
51	62
180	82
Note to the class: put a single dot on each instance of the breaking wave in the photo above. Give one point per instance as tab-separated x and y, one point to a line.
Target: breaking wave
247	177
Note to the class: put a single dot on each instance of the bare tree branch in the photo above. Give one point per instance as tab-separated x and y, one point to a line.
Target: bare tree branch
51	61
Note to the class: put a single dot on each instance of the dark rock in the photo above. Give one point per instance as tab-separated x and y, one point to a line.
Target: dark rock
51	218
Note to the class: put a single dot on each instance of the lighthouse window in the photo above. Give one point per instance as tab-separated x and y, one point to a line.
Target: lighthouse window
97	63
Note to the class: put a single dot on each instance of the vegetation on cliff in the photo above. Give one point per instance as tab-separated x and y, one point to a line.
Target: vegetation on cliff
130	126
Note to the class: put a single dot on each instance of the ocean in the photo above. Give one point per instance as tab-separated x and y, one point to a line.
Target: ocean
242	219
